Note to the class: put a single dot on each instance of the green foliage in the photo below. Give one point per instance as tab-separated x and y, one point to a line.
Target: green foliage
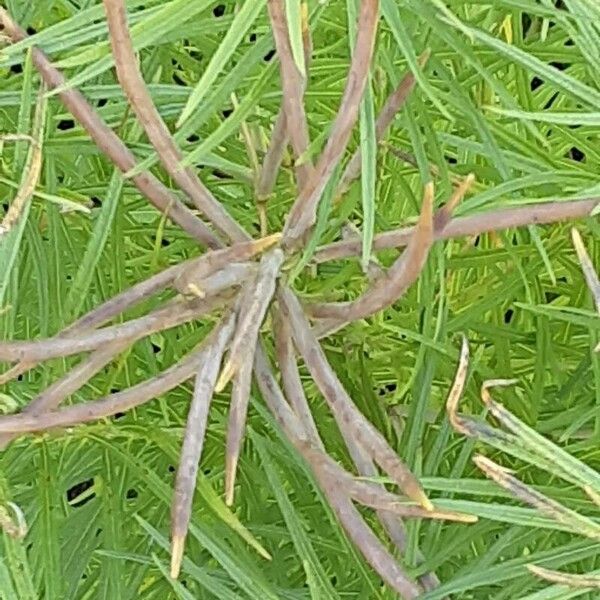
512	94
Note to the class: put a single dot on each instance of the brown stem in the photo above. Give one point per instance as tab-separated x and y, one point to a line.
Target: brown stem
238	409
286	360
388	288
111	145
293	85
365	492
51	398
139	98
392	106
303	213
105	407
279	137
273	158
370	546
347	415
255	304
173	314
193	440
179	276
274	398
332	479
485	222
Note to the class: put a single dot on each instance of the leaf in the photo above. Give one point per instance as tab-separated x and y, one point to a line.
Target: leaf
242	22
143	34
317	578
231	124
10	242
391	14
560	79
293	11
560	118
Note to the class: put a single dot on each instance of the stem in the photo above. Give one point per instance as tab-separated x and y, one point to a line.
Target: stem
193	440
139	98
293	85
111	145
173	314
492	220
302	215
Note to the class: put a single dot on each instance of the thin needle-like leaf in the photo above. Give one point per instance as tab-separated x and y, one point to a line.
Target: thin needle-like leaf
243	20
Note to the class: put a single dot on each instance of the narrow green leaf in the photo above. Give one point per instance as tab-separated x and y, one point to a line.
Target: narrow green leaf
10	243
74	24
143	34
93	252
201	575
568	84
219	96
573	119
316	577
293	12
49	524
243	21
6	584
232	123
391	13
513	568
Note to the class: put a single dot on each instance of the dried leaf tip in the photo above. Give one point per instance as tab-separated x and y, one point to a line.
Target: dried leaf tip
460	192
266	242
426	216
458	386
571	580
304	18
591	277
195	290
177	545
491	383
423	58
230	473
424	501
227	373
489	467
